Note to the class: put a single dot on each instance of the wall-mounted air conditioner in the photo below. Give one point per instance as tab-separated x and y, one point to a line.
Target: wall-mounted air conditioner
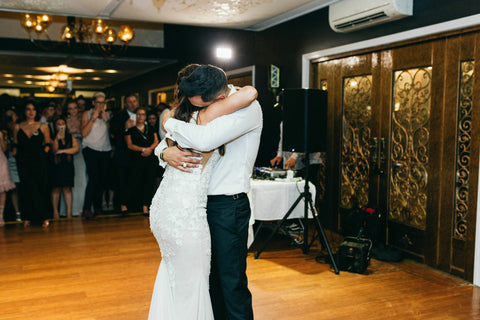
349	15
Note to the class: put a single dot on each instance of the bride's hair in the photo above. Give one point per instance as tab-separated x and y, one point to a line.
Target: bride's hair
183	109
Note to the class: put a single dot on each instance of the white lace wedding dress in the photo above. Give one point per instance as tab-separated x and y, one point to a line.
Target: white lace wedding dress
179	222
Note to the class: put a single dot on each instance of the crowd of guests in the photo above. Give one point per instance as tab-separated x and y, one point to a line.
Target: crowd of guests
77	157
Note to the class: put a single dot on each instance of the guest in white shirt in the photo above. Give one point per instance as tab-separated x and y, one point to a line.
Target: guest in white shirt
228	209
96	152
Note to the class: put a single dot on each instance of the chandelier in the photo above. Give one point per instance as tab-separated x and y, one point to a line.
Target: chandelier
56	79
98	35
39	23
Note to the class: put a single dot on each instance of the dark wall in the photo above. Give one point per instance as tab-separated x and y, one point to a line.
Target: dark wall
282	45
285	44
186	44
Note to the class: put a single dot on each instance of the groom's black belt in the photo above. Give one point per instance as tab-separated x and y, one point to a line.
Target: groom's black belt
223	197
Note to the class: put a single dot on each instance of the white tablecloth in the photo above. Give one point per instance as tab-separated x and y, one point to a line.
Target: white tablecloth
270	200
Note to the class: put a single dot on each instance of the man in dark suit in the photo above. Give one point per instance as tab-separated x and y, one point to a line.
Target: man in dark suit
120	123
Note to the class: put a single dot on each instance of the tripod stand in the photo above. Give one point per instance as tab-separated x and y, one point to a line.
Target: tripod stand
306	195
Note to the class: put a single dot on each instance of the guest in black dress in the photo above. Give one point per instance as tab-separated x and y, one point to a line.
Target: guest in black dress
63	148
31	144
153	122
141	140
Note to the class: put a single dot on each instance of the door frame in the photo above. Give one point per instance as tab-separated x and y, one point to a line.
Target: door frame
444	27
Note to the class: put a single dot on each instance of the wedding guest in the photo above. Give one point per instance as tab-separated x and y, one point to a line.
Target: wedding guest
48	113
11	120
74	124
96	151
81	104
120	123
141	140
31	144
6	182
64	147
152	119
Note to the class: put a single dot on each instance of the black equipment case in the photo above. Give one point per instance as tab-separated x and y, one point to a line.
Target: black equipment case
353	254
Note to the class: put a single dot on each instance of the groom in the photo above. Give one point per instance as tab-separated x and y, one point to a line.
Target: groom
228	208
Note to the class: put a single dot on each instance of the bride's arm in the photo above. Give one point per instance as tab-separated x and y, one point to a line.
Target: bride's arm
236	101
165	117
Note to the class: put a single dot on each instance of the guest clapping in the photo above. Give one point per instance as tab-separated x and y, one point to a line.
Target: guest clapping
64	147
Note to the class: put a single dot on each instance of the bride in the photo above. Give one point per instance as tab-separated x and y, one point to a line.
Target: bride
178	218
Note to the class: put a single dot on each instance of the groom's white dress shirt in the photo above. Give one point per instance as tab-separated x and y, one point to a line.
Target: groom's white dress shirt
239	131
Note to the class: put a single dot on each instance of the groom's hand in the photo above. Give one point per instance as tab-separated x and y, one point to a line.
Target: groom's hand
181	160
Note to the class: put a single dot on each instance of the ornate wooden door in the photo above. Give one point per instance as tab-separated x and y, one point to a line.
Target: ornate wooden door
402	119
414	137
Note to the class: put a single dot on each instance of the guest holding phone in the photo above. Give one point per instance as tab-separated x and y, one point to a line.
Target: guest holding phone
96	151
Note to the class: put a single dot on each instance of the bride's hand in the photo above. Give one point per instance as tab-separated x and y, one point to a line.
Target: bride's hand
181	160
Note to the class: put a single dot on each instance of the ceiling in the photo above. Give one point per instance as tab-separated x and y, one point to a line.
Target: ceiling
33	70
20	69
240	14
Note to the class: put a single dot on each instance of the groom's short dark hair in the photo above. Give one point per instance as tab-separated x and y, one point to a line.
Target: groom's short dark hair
206	81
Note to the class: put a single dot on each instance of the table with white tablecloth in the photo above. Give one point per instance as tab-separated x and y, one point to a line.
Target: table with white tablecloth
270	200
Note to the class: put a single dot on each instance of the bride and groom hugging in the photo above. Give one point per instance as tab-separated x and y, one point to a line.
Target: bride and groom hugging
200	212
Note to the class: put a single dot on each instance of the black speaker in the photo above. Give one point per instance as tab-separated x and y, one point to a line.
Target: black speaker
304	120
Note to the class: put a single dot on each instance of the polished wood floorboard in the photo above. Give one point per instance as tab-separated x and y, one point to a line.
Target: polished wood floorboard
105	269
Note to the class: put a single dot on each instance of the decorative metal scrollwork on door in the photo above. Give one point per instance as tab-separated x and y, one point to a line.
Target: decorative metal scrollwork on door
355	165
409	153
464	137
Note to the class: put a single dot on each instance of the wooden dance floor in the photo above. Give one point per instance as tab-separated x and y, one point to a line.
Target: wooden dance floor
105	269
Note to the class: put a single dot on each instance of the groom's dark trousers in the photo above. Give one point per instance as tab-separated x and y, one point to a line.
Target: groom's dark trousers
228	218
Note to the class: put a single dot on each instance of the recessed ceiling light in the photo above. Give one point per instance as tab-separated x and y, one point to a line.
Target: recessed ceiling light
28	82
89	70
28	76
96	78
8	75
111	71
77	78
10	81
